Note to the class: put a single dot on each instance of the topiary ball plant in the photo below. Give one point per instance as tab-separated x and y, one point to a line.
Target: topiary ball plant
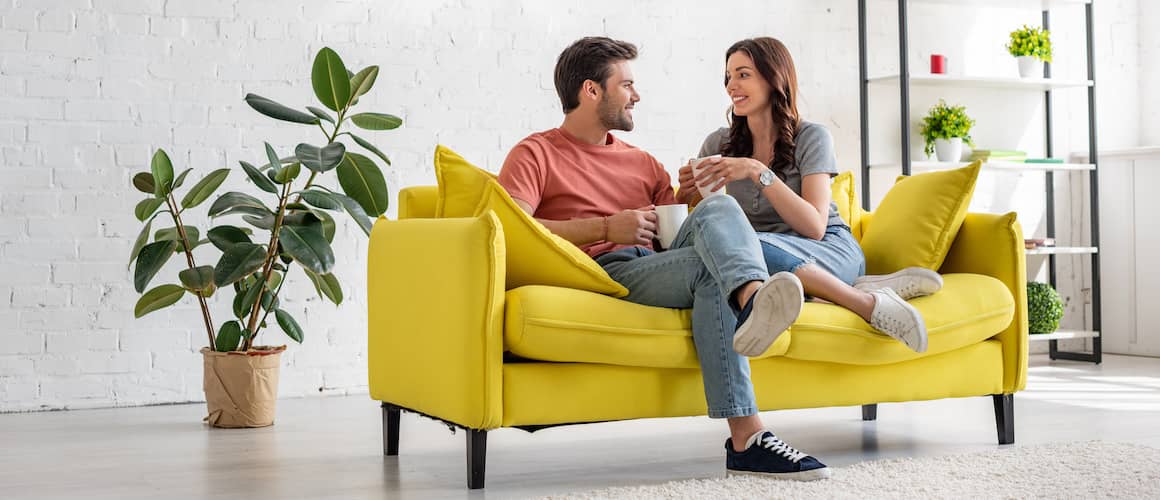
1044	308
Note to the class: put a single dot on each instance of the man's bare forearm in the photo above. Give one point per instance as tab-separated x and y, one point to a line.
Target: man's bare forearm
577	231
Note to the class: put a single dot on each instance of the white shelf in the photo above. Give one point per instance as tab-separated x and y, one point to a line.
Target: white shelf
991	165
1022	4
1064	334
1062	250
1037	84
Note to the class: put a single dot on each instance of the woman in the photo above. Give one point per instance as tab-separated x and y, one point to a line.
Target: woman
779	167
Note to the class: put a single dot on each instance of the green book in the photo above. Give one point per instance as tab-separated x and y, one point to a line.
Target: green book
1043	160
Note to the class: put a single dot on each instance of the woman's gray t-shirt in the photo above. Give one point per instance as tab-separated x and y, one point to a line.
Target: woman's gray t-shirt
813	154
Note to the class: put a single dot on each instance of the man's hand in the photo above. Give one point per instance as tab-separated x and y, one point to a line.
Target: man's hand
633	227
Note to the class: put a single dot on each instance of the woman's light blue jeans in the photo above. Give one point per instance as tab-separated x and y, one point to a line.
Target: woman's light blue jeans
837	252
715	252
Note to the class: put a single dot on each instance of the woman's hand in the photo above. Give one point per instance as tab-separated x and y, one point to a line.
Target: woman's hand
717	172
688	192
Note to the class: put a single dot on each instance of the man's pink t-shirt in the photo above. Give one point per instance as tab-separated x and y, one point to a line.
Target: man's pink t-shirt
563	179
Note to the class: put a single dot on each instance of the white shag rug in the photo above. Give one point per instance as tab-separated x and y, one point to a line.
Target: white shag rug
1070	470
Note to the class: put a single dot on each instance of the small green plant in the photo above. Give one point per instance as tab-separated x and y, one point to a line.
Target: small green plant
1029	41
1044	308
946	122
297	225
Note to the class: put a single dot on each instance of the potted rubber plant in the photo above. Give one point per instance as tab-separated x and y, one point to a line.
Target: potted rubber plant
944	130
1031	46
286	224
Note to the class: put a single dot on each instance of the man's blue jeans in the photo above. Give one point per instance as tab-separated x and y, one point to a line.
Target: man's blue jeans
715	252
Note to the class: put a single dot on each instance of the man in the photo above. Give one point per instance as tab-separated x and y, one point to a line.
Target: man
598	192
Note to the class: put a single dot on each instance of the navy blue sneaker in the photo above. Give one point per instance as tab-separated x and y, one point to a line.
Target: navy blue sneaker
768	456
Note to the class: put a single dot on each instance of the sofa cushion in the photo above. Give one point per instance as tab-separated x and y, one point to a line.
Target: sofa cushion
969	309
535	256
845	196
917	220
559	324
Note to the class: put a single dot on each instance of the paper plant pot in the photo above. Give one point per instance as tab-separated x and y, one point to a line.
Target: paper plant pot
241	388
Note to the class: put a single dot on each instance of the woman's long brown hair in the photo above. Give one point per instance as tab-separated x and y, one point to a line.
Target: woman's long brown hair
775	64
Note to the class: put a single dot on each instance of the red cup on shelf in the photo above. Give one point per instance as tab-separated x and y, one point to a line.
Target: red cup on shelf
938	64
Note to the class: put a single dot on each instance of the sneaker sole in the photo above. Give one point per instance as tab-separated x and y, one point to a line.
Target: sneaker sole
783	298
928	281
805	475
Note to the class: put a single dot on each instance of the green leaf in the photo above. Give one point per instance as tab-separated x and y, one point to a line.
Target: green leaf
320	113
288	173
356	212
362	82
235	202
376	121
269	301
229	337
181	178
203	189
308	246
362	180
237	262
327	285
264	221
142	239
278	111
258	179
369	147
244	300
145	208
170	233
329	79
321	199
275	162
157	298
224	237
289	325
320	159
275	280
144	183
153	256
162	173
197	279
327	223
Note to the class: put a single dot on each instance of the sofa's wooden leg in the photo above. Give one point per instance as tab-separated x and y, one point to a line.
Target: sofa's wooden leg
476	457
870	412
1005	417
391	429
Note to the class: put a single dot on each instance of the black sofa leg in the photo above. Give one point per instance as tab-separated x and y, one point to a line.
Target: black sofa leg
870	412
1005	417
476	457
391	429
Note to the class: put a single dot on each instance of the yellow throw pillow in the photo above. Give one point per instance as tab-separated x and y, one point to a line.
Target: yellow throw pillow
845	196
918	220
535	256
466	183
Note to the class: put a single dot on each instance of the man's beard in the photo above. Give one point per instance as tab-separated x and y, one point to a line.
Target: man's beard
613	118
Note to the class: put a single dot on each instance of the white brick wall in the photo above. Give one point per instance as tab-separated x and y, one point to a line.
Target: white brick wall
1149	73
88	88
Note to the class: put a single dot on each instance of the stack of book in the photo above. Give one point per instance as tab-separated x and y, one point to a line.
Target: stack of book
998	155
1033	243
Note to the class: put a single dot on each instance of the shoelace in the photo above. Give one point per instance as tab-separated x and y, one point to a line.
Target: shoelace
771	442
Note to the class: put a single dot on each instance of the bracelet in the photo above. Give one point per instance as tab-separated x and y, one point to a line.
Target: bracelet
605	223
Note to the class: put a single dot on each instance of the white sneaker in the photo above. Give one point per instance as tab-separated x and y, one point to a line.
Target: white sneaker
894	317
908	283
771	310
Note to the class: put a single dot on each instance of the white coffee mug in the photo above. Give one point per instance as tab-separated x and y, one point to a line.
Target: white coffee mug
669	221
705	190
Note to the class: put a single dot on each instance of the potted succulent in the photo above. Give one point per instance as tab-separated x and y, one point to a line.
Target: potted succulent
288	224
945	129
1031	47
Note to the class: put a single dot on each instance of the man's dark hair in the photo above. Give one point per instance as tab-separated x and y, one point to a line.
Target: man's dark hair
589	58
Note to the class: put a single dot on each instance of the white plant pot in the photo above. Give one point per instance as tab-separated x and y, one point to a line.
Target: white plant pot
1030	67
949	150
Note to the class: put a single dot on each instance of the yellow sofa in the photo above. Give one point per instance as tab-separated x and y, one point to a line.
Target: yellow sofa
446	340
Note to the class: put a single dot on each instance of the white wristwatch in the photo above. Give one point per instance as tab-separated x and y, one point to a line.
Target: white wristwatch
766	178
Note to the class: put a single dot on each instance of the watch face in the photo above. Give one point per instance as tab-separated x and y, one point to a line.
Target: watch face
766	178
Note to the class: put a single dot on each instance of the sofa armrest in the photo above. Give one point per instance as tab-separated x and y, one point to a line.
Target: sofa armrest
435	292
992	245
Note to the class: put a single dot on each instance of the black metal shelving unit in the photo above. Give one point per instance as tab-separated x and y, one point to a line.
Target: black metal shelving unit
905	80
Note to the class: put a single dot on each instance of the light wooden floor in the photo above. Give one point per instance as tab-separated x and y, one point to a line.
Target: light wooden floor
332	447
